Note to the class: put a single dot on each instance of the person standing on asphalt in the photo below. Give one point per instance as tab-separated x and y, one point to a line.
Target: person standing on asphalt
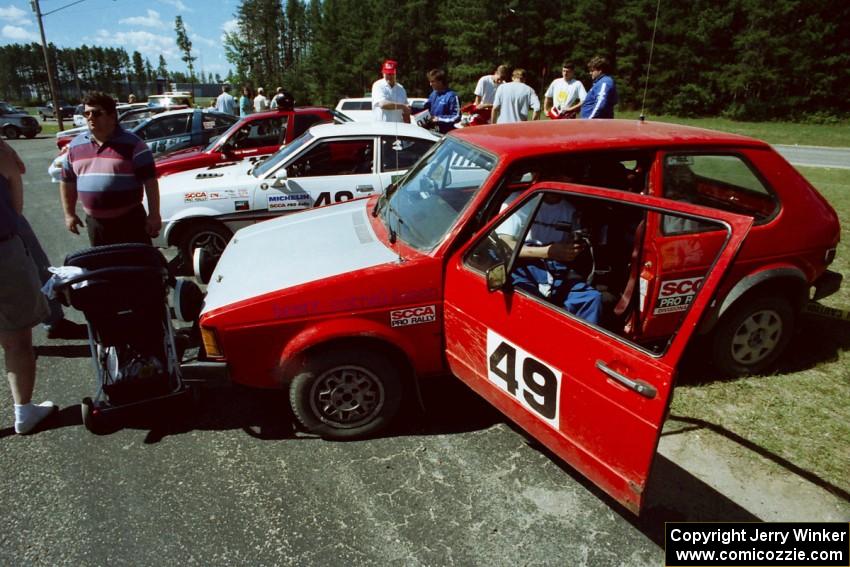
56	325
225	101
443	103
282	100
600	100
246	101
567	93
485	90
261	103
514	100
22	304
108	168
389	99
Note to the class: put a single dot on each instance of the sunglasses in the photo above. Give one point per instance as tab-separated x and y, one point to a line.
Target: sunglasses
93	113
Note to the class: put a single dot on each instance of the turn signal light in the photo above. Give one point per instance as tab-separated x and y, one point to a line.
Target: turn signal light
210	343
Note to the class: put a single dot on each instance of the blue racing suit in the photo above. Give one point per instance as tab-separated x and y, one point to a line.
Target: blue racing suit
600	99
445	109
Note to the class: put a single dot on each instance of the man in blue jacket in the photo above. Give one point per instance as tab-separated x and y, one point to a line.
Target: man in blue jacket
443	102
602	96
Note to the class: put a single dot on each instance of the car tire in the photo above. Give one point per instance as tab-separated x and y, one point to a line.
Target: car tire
749	338
11	133
346	394
30	135
208	234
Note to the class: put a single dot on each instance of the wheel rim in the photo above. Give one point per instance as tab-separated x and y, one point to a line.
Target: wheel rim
210	241
347	396
756	337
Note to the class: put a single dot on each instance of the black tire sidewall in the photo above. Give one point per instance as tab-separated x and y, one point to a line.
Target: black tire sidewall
301	389
188	233
725	332
11	132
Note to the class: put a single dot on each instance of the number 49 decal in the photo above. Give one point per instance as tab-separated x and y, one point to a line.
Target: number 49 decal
534	384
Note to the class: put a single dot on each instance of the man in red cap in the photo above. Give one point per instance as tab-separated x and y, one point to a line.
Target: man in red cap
389	99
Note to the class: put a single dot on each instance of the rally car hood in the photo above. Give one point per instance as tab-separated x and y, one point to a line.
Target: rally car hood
220	176
295	250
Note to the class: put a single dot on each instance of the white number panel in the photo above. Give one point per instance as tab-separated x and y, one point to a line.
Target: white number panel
533	383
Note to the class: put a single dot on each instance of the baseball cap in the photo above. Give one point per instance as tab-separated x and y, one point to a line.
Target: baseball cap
389	67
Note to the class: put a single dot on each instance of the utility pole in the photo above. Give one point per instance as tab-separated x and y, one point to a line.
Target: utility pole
57	110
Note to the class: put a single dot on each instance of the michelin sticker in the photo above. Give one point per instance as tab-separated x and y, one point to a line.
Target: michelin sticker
278	202
413	316
677	295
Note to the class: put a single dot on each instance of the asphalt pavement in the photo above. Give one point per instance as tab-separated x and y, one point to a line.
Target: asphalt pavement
233	484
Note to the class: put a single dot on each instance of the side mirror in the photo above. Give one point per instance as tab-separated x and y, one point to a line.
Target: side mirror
497	277
279	182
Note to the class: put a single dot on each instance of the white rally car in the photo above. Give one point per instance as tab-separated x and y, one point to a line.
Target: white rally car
330	163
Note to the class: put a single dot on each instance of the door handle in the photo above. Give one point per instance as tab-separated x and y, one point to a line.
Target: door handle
364	188
644	389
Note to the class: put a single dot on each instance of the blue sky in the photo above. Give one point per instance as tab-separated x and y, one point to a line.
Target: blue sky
146	26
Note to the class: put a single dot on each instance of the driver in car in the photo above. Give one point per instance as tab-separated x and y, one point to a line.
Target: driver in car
543	263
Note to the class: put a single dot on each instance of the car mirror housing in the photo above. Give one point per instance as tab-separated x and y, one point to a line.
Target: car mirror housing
279	182
497	277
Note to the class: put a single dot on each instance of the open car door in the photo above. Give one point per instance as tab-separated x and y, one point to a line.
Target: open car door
588	390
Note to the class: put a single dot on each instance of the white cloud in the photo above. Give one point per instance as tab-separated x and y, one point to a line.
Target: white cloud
230	26
148	44
152	20
18	33
198	39
15	15
177	4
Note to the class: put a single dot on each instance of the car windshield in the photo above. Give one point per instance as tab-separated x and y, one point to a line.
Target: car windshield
428	201
282	155
339	117
6	107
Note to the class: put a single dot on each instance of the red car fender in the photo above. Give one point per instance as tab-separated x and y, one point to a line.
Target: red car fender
349	328
770	273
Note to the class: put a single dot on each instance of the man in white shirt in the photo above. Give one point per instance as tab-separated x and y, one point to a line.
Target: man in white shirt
567	93
485	90
389	99
513	101
261	103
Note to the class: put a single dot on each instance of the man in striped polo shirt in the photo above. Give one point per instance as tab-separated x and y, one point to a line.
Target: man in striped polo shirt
108	168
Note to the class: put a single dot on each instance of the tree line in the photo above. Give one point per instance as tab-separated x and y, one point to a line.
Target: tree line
82	69
745	59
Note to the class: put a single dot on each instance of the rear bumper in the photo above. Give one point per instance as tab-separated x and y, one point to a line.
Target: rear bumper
828	283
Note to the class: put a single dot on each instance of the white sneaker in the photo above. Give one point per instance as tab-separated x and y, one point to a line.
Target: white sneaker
27	417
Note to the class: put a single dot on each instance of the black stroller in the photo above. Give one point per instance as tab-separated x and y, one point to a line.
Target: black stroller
122	291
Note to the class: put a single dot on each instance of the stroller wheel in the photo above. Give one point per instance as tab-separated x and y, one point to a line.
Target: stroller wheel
92	419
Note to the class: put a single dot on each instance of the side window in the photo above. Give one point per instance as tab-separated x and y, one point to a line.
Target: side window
582	257
258	133
335	157
724	182
401	153
303	122
168	126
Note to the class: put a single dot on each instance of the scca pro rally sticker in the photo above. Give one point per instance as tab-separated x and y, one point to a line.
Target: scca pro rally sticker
194	197
677	295
413	316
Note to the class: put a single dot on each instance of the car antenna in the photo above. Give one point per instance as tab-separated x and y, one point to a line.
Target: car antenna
649	65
